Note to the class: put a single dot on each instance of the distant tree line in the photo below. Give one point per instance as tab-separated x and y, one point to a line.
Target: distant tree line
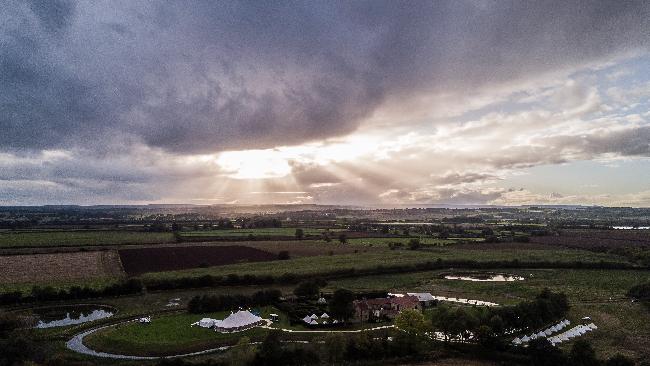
213	303
48	293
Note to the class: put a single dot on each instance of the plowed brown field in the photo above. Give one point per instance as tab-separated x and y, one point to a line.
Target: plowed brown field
53	267
141	260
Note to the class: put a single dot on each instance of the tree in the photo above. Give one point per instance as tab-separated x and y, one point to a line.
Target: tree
414	244
410	339
334	347
542	353
341	305
243	353
619	360
307	289
343	238
299	233
270	352
582	354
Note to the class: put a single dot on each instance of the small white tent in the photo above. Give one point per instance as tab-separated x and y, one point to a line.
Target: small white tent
525	338
516	341
306	319
548	332
325	316
541	334
206	323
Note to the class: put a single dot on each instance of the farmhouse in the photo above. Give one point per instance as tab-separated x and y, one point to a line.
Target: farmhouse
375	309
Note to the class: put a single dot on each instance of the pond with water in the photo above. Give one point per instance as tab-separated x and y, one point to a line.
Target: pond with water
61	316
484	277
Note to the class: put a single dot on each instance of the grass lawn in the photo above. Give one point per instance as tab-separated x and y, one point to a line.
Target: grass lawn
383	242
80	238
167	335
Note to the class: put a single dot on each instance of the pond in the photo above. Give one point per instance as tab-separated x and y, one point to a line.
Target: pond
61	316
484	277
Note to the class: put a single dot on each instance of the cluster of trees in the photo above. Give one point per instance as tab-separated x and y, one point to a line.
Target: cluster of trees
489	324
309	289
259	222
48	293
212	303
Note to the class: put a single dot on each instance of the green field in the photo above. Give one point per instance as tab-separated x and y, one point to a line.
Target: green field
383	242
280	231
167	335
623	325
378	257
80	238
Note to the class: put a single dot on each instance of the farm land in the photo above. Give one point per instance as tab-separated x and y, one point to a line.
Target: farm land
362	251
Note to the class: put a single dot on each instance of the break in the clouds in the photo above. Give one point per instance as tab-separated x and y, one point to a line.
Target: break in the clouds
323	102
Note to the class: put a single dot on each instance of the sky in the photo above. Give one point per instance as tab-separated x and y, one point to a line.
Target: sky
325	102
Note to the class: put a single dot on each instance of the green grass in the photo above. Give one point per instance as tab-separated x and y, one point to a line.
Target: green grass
383	242
80	238
366	260
166	335
623	326
281	231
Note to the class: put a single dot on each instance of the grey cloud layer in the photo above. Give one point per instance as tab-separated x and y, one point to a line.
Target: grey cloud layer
237	75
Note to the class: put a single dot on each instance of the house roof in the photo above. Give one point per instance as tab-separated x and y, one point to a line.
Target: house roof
422	296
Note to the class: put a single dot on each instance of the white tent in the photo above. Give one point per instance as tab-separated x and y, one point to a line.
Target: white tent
592	326
541	334
548	332
525	338
533	336
516	341
555	340
205	323
306	319
314	316
564	337
335	321
313	322
553	329
464	301
325	316
238	320
567	322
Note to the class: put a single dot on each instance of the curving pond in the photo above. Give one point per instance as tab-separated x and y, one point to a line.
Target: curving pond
64	315
484	277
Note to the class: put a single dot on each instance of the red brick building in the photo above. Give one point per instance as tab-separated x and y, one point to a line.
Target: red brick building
376	309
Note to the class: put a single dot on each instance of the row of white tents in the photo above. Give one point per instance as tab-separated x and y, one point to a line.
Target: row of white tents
558	338
313	319
242	319
426	297
465	301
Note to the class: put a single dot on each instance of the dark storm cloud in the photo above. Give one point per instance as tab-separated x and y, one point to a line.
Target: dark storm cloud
208	76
